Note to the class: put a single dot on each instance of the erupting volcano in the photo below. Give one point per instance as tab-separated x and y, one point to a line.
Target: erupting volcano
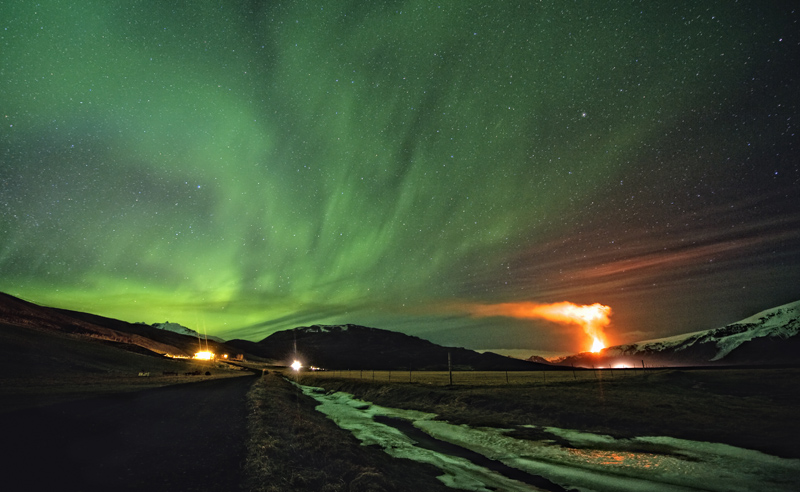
597	345
592	318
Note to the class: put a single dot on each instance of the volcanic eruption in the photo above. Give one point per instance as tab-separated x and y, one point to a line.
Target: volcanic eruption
593	318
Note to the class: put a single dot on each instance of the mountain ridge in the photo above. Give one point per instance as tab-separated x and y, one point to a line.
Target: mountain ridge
134	337
183	330
769	337
357	347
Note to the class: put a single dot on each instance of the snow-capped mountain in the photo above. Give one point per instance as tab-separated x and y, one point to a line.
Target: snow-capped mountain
360	347
769	337
177	328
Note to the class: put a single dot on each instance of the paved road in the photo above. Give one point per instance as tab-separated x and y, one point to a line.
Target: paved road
189	437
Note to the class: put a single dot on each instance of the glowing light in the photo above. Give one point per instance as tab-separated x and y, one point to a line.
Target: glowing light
296	365
204	355
597	345
592	318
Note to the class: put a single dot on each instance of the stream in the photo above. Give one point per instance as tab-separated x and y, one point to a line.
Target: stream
487	459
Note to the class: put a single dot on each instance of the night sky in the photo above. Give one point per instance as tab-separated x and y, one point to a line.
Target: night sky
242	167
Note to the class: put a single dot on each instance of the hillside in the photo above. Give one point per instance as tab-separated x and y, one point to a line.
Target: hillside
134	337
360	347
771	337
183	330
52	355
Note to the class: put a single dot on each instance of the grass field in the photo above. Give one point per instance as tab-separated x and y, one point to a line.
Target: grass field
500	378
750	408
40	367
293	447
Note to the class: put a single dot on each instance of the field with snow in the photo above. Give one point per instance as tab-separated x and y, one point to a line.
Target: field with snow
716	429
751	408
491	378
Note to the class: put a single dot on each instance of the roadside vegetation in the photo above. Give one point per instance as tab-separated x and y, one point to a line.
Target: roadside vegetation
750	408
293	447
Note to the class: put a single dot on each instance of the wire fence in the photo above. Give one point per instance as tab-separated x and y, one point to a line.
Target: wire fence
477	378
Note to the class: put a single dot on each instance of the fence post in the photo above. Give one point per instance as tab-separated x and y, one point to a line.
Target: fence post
449	368
573	372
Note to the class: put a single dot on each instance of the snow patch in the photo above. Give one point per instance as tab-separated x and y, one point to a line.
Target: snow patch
323	328
593	462
182	330
780	322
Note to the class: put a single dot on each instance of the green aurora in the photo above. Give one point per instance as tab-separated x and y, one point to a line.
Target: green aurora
245	167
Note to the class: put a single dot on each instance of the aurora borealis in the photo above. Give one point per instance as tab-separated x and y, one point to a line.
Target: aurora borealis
246	167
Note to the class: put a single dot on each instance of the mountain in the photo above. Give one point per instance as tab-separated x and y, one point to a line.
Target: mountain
178	328
139	338
360	347
767	338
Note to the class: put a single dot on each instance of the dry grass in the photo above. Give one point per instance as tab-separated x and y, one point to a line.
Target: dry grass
21	393
755	409
497	378
293	447
41	368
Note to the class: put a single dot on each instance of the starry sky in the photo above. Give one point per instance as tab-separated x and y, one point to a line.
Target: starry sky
243	167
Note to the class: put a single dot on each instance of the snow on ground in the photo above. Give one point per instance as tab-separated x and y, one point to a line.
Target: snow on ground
182	330
777	322
782	321
324	328
357	417
594	463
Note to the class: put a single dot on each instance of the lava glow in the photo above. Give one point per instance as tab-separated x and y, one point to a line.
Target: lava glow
204	355
592	318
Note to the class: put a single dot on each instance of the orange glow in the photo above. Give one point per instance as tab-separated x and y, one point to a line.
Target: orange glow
204	355
592	318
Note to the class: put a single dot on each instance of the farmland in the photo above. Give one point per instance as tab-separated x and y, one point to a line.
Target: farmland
749	408
491	378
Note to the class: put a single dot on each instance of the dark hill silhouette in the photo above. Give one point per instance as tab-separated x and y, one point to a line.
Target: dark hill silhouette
360	347
134	337
331	347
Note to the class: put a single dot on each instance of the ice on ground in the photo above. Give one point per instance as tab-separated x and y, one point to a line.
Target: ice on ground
357	417
593	463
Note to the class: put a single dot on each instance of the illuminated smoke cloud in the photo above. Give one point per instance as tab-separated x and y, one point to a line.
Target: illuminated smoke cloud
592	318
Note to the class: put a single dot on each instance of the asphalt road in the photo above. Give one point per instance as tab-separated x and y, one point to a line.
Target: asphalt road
188	437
